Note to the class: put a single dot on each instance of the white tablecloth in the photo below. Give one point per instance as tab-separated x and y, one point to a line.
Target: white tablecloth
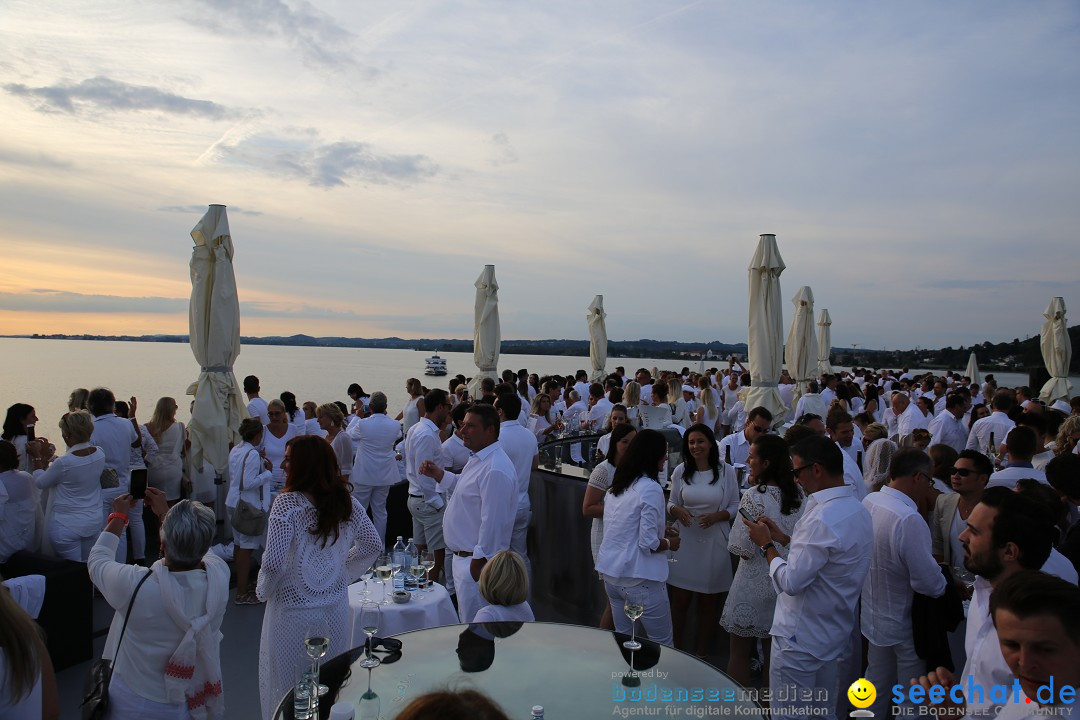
425	610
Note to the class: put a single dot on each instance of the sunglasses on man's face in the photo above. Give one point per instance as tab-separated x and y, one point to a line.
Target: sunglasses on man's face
961	472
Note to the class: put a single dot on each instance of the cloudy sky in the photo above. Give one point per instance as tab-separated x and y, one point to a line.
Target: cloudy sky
919	163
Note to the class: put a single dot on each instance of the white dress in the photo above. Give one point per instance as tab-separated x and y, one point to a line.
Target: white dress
601	478
167	467
751	601
305	586
410	414
703	563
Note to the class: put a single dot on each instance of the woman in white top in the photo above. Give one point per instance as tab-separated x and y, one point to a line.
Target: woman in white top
414	409
707	413
168	664
620	438
297	418
504	584
19	417
330	420
632	559
748	611
680	414
704	499
167	467
541	410
318	541
250	470
277	435
632	399
73	512
20	513
27	682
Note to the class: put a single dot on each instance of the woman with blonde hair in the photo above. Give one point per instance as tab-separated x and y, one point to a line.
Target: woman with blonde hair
504	583
632	399
873	431
707	414
330	420
414	409
27	682
166	469
680	414
1068	435
77	399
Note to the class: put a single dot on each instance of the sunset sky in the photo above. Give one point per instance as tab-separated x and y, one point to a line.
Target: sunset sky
919	163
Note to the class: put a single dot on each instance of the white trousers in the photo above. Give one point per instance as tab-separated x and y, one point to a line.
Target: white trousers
657	616
373	498
791	671
891	665
68	544
469	600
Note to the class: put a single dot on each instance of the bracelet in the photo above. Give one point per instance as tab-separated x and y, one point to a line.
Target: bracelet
117	516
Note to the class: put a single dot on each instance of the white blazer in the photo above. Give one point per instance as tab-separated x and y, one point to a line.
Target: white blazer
375	463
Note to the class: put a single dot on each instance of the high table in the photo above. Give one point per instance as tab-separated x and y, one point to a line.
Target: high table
424	610
570	670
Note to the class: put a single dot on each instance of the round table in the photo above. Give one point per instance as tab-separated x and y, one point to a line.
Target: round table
570	670
424	610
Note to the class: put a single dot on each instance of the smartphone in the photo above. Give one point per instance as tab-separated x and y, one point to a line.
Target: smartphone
742	511
465	395
138	483
30	434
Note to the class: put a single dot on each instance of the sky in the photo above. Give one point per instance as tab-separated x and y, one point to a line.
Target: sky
919	163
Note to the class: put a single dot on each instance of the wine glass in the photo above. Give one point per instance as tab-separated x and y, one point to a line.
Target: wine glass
370	619
673	528
316	643
634	607
427	559
416	570
385	570
365	576
369	702
966	578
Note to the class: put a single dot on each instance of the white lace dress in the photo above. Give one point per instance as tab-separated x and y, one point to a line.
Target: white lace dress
306	585
751	600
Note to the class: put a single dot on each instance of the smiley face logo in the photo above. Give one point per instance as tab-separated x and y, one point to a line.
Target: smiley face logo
862	693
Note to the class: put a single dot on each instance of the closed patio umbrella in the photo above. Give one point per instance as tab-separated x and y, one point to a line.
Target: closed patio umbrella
597	338
765	331
1056	351
214	330
800	350
972	370
824	343
487	335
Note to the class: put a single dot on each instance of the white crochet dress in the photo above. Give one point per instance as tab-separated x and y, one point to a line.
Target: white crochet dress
305	585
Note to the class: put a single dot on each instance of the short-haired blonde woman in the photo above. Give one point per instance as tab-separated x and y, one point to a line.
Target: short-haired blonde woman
73	511
504	584
167	467
331	420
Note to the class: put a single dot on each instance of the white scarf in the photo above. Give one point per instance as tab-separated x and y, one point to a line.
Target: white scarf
193	674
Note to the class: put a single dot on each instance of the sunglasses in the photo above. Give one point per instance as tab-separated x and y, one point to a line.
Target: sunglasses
961	472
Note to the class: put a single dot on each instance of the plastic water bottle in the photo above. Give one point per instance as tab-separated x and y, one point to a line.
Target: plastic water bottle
305	699
537	712
412	559
398	555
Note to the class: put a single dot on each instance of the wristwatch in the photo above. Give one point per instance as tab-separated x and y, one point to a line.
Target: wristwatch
765	549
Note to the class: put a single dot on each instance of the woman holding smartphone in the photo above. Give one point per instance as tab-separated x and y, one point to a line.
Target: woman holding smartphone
748	612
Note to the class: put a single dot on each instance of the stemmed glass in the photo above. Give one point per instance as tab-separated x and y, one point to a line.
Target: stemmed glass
370	619
416	570
966	578
369	701
384	569
673	529
634	607
316	643
365	576
427	559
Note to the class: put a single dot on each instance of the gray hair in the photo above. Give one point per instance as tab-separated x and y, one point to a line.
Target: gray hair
188	531
378	402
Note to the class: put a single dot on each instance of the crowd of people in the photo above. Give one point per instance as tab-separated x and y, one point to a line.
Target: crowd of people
826	544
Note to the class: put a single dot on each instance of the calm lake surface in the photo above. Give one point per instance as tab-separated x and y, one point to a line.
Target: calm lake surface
44	372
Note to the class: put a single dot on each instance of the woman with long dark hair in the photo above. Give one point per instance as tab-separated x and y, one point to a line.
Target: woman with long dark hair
297	418
632	559
318	540
19	416
704	499
748	612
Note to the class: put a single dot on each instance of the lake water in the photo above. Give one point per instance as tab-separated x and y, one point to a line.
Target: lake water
43	372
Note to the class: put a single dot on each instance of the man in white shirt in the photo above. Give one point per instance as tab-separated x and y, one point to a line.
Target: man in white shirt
908	417
818	585
455	454
521	447
479	519
116	436
947	427
758	422
997	424
1021	444
375	466
1006	533
426	504
901	564
256	406
644	379
828	393
576	407
599	407
939	396
1023	396
581	383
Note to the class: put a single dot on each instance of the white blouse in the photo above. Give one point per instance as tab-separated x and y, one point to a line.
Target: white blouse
76	494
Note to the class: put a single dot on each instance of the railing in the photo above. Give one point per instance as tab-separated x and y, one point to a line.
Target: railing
556	453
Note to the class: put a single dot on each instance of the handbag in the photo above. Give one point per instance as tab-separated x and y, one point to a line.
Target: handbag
186	486
248	519
95	704
109	478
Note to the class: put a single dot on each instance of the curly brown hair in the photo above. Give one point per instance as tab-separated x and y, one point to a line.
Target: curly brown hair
313	469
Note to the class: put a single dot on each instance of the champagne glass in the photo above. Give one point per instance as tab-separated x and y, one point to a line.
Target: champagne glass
370	619
385	570
316	643
634	607
427	559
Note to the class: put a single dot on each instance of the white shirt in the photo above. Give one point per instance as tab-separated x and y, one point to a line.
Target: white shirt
504	613
257	408
787	396
115	435
997	423
740	447
911	419
480	515
374	438
819	583
827	396
520	446
245	459
574	411
19	513
853	476
813	404
455	454
633	528
946	429
422	443
1007	477
598	414
901	562
1060	566
76	494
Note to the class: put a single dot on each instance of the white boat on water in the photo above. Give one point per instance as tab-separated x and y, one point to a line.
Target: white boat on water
435	365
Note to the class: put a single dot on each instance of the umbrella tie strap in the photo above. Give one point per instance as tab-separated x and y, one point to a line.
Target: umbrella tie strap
217	368
765	385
